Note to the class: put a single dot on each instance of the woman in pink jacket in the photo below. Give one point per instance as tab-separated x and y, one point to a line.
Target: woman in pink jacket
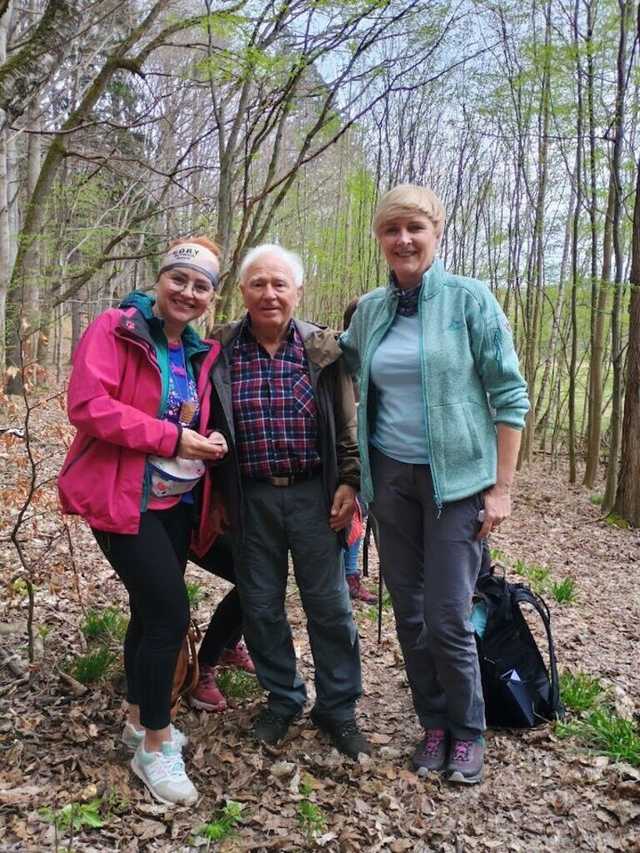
139	398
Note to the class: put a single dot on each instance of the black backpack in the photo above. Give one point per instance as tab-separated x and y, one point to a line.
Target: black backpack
519	690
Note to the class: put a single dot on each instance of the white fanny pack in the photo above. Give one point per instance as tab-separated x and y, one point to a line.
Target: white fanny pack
174	476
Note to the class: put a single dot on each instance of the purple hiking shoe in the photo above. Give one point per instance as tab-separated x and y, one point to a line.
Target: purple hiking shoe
431	753
466	761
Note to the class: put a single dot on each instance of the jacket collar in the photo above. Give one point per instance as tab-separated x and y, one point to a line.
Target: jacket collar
319	342
139	320
432	281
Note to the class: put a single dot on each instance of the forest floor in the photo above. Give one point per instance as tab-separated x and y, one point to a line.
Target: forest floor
60	743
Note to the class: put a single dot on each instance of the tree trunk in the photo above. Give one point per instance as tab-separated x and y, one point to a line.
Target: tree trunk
575	249
598	288
627	502
616	332
5	231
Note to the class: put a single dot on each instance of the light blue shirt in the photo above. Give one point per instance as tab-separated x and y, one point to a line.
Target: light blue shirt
400	429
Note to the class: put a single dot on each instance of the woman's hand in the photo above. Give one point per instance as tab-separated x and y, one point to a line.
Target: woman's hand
497	507
343	507
195	446
219	443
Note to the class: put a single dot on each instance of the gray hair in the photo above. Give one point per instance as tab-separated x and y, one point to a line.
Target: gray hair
291	260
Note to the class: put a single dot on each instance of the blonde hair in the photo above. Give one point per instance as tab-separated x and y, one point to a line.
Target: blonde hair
405	200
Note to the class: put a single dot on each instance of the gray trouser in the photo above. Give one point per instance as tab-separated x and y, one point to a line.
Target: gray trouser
430	566
294	518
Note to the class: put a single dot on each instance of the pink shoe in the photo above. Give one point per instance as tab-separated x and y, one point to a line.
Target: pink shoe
207	695
358	591
239	657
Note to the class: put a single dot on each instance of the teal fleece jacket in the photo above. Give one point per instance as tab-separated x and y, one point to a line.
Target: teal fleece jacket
470	378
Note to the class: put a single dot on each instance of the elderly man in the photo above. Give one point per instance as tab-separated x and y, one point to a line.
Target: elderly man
290	483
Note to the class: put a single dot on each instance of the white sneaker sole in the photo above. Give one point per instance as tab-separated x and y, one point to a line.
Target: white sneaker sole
140	774
457	777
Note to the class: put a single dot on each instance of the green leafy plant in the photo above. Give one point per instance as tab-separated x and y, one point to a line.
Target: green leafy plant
564	591
497	555
75	815
614	520
93	666
596	500
224	825
195	594
311	818
371	613
238	684
19	587
107	624
538	576
606	733
580	692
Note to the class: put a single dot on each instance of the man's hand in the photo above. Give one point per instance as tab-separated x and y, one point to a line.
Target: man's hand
195	446
343	507
497	507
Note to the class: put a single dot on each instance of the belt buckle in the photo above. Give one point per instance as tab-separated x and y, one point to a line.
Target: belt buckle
281	481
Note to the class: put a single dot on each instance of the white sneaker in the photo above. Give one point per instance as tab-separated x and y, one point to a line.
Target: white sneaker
133	737
164	775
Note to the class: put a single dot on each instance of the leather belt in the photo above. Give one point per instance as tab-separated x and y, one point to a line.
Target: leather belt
282	480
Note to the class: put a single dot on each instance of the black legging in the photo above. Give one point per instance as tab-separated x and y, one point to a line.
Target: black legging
225	627
151	565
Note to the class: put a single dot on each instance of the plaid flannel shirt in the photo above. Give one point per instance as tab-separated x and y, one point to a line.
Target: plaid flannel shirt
274	408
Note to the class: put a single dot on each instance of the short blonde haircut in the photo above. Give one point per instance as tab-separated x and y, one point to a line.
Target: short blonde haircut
405	200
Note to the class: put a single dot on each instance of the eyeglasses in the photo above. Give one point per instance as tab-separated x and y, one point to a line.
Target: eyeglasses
200	288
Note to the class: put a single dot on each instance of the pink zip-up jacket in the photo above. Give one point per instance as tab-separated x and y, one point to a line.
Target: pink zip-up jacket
113	400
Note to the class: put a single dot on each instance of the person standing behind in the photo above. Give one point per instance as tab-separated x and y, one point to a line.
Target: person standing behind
222	644
351	553
442	406
139	398
289	484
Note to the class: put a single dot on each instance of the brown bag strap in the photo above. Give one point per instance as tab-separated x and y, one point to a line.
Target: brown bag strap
187	668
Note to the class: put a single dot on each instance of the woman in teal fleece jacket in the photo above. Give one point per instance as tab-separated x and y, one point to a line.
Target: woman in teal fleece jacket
442	406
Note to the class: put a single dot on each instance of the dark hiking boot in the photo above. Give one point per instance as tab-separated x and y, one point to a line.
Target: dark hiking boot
345	734
430	755
270	728
466	761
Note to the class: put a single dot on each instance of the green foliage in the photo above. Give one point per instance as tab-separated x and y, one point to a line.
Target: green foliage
311	818
372	612
238	684
564	591
538	576
614	520
580	692
224	825
195	594
20	588
497	555
92	667
605	732
105	625
75	816
596	500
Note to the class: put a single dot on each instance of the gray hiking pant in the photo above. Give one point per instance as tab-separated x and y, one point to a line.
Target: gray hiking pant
295	518
430	566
